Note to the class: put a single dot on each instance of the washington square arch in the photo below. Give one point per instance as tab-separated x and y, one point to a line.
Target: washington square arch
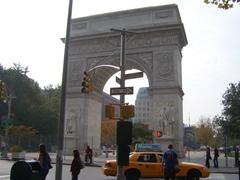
155	48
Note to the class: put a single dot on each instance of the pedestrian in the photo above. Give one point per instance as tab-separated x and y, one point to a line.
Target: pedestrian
208	157
171	161
76	165
44	160
88	155
236	155
215	158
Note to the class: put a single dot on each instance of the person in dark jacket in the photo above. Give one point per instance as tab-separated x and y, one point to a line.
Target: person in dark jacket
88	155
170	160
215	158
208	157
44	160
76	165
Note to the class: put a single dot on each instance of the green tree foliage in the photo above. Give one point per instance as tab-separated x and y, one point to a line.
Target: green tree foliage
32	106
223	4
229	121
205	132
141	134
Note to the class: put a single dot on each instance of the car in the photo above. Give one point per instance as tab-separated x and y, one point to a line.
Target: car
150	165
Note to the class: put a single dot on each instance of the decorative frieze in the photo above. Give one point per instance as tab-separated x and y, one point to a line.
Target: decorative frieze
75	73
141	40
165	67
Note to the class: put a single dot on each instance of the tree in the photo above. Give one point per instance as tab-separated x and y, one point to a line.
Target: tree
21	132
229	121
141	134
205	132
32	106
223	4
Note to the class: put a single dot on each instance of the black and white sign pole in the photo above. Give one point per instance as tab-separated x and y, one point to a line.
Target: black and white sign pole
59	156
120	170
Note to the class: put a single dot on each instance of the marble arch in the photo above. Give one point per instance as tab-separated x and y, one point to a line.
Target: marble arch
155	49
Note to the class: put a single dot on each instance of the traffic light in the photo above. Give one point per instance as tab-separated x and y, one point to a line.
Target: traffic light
123	155
159	133
124	133
110	111
3	90
87	84
127	111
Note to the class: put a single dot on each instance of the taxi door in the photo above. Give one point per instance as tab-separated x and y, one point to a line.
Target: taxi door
149	165
161	166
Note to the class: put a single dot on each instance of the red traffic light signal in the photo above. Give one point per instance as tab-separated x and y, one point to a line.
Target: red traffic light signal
159	133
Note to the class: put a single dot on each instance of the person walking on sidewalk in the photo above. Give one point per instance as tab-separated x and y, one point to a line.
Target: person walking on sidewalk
208	157
170	160
215	158
88	155
44	160
76	165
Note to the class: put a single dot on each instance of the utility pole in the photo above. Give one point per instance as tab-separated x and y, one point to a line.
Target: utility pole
60	140
9	100
120	170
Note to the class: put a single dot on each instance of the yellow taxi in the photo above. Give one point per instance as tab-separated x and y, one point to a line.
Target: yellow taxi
150	164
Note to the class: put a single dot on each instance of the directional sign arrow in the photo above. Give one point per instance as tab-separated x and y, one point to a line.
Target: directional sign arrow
119	91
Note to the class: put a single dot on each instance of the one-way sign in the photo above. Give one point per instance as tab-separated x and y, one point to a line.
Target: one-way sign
119	91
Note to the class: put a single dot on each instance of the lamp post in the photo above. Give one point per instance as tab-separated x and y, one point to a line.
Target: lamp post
60	139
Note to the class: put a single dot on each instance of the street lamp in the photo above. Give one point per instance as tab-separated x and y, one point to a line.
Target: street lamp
59	159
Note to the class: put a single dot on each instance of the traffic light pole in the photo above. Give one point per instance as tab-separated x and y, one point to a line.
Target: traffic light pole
120	170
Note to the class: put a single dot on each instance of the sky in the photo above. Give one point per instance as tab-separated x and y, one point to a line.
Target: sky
31	30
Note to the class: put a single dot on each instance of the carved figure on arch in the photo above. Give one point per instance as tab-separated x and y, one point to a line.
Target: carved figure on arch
166	121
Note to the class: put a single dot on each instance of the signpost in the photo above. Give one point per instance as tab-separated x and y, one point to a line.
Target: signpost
121	91
134	75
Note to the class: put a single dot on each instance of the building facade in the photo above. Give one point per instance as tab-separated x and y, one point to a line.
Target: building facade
142	103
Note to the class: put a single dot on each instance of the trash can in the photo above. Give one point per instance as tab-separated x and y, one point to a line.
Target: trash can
25	170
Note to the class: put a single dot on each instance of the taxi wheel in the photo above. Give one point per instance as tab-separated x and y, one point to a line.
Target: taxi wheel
194	175
132	175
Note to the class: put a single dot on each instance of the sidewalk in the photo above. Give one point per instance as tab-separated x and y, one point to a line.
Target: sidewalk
223	166
197	157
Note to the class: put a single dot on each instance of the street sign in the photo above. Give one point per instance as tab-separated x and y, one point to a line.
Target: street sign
119	91
134	75
118	80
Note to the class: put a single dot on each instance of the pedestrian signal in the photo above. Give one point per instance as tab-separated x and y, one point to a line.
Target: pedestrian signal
159	133
127	111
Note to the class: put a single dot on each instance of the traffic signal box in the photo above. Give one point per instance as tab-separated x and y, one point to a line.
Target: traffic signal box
127	111
124	138
3	91
110	111
87	86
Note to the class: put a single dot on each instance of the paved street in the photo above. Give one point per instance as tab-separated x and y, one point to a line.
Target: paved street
94	173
